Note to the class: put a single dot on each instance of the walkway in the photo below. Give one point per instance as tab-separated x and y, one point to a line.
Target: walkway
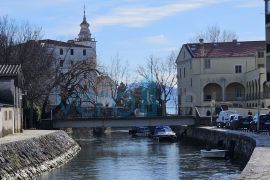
27	134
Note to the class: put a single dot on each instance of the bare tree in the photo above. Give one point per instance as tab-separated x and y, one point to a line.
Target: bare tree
215	34
163	74
118	72
19	45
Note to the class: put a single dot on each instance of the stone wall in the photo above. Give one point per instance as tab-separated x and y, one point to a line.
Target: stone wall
252	147
24	159
244	145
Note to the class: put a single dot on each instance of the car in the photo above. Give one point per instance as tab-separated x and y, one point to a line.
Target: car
233	122
245	122
263	120
223	118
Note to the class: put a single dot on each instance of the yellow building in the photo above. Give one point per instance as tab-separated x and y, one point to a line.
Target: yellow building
230	73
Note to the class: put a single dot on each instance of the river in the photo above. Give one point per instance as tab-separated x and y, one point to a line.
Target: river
121	157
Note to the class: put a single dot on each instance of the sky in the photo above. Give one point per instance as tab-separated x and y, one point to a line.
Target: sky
137	29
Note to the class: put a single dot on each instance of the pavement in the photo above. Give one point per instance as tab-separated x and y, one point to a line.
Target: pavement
27	134
258	166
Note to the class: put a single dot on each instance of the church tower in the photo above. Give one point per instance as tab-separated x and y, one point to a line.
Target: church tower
85	34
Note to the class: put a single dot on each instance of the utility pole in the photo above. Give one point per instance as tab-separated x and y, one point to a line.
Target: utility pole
259	104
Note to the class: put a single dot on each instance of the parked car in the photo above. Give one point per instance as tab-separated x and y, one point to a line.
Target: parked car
263	119
223	118
233	123
245	122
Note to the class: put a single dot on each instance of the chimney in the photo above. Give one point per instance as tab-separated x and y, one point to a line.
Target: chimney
201	41
202	47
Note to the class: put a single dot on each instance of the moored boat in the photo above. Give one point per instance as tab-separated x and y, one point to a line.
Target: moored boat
142	131
214	153
164	133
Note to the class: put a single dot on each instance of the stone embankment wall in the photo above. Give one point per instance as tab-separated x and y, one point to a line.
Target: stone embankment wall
24	159
254	148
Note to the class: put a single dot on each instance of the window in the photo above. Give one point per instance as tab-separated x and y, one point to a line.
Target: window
180	74
207	64
184	72
5	116
71	51
61	63
184	54
71	62
238	69
10	115
260	65
260	54
84	52
208	97
61	52
191	82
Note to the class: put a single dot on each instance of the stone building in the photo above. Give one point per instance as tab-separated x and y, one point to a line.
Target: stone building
81	49
11	114
230	73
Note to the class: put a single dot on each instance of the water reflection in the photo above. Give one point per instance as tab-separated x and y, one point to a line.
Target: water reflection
119	156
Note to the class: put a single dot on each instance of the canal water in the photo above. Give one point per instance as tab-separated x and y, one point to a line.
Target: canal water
117	156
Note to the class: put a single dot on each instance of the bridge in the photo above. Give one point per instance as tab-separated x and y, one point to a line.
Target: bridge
91	122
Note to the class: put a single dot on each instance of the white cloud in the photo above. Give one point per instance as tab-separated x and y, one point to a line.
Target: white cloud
140	16
159	39
249	4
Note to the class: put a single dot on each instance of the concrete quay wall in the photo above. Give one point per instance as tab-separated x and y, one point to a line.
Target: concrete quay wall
250	147
29	156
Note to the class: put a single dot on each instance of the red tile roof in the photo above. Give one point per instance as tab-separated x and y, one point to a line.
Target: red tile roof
61	43
225	49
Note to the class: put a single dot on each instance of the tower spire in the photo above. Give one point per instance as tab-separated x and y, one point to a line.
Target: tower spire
84	34
84	18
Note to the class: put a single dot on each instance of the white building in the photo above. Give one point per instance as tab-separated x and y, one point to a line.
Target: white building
230	72
81	49
68	53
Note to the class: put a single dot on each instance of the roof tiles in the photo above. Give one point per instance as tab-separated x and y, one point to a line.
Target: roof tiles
225	49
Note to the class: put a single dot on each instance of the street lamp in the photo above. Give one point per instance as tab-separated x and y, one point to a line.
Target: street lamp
211	105
259	103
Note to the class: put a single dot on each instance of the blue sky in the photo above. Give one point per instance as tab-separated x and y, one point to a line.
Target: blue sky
136	29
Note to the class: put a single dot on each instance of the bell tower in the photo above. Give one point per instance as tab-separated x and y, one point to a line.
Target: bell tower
85	34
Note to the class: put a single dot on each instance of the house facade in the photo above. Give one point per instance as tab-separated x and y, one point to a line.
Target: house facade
11	114
230	73
82	50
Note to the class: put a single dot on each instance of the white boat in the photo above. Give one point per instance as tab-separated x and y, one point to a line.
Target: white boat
214	153
164	133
